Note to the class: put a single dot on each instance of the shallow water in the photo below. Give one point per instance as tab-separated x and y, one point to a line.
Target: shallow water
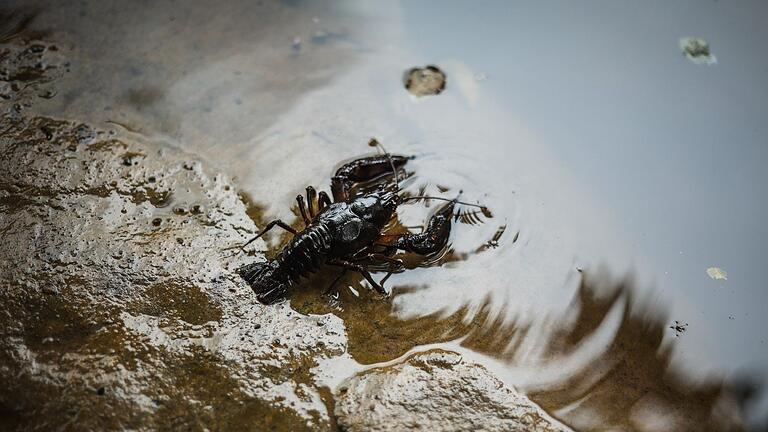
597	145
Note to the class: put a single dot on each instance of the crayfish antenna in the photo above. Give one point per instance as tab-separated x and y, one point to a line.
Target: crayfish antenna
375	143
455	200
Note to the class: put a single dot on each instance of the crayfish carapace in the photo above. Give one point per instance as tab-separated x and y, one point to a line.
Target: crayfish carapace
348	232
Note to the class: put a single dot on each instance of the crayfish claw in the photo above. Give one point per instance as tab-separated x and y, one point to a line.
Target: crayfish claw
363	170
434	238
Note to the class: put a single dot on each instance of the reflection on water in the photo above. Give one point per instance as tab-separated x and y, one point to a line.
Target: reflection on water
628	383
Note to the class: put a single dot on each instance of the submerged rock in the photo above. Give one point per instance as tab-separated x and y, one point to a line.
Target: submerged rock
436	390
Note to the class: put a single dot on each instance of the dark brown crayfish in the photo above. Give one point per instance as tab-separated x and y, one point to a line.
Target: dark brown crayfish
348	232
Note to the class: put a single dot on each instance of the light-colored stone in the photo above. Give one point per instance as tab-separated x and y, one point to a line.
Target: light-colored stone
436	391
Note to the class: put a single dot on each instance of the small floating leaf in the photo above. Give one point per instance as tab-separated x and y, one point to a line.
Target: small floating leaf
717	273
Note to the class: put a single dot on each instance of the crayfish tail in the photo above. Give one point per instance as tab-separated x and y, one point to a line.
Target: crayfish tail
252	272
273	294
263	280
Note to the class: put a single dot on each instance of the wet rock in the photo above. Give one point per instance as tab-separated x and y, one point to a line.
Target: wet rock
107	320
110	322
27	67
436	390
424	81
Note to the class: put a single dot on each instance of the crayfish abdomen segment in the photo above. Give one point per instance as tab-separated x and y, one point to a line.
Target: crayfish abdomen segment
306	252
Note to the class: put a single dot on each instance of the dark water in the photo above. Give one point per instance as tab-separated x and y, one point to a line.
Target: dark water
616	170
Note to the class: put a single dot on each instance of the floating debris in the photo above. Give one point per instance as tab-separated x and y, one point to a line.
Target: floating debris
424	81
320	37
679	328
717	273
697	50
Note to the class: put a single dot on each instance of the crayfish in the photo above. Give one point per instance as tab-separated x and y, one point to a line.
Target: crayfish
347	232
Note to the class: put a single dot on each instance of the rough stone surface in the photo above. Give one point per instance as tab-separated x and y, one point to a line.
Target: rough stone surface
119	307
436	390
116	288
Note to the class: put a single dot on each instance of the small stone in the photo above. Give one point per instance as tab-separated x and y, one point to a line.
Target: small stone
426	81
